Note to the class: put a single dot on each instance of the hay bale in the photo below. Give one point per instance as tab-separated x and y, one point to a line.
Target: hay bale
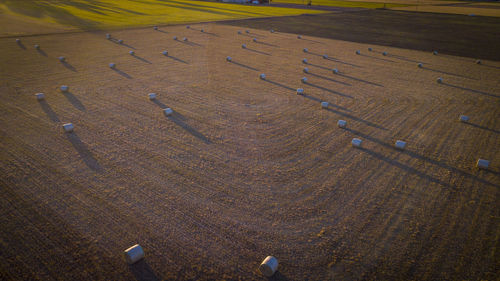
120	41
304	79
131	53
358	52
188	27
134	254
112	65
324	104
400	144
244	46
464	118
262	76
64	88
304	61
342	123
254	39
168	111
247	31
435	53
305	50
152	96
356	142
299	36
306	70
239	31
18	41
420	65
335	71
202	30
108	36
175	37
155	27
325	56
300	91
37	47
370	49
68	127
62	59
269	266
229	59
184	39
40	96
165	53
440	80
272	30
482	164
478	62
384	53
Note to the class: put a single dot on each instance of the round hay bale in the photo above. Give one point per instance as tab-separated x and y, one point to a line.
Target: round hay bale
152	96
108	36
356	142
168	111
244	46
155	27
18	40
440	80
478	62
358	52
324	104
299	36
131	52
112	65
188	27
120	41
300	91
305	50
304	61
335	71
400	144
435	53
175	37
165	53
370	49
325	56
40	96
306	70
184	39
304	79
68	127
62	59
272	30
229	59
202	30
464	118
254	39
37	47
64	88
239	31
247	31
269	266
420	65
384	53
483	164
342	123
134	254
262	76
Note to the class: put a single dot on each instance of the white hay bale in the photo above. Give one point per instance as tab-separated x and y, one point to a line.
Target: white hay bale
304	61
478	62
131	52
342	123
40	96
68	127
18	40
188	27
175	37
108	36
112	65
272	30
324	104
152	96
305	50
420	65
384	53
370	49
400	144
202	30
435	53
247	31
155	27
483	164
228	58
356	142
168	111
64	88
464	118
239	31
440	80
134	254
62	59
304	79
325	56
269	266
306	70
262	76
244	46
300	91
299	36
358	52
335	71
184	39
165	53
254	39
37	47
120	41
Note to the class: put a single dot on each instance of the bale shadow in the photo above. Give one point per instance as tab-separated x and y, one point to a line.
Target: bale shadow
491	66
85	153
162	31
319	66
122	73
279	84
329	90
267	44
141	59
447	73
143	272
48	111
483	128
245	66
68	66
343	62
190	43
74	101
177	59
421	157
21	45
188	128
471	90
310	40
382	59
359	80
404	58
205	32
253	35
121	44
257	51
357	119
41	52
329	79
159	103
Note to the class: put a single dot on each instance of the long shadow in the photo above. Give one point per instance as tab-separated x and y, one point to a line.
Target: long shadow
491	66
420	157
177	59
310	40
160	104
205	32
329	90
330	104
68	66
343	62
404	58
189	129
121	44
448	73
329	79
84	152
471	90
190	43
143	272
253	35
319	66
267	44
48	110
281	85
21	45
122	73
162	31
483	128
372	57
42	52
141	59
74	100
360	80
257	51
245	66
357	119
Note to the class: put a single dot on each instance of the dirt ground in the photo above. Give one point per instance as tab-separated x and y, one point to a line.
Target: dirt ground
245	168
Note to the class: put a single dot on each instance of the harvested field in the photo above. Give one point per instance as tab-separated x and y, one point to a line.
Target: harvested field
245	168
